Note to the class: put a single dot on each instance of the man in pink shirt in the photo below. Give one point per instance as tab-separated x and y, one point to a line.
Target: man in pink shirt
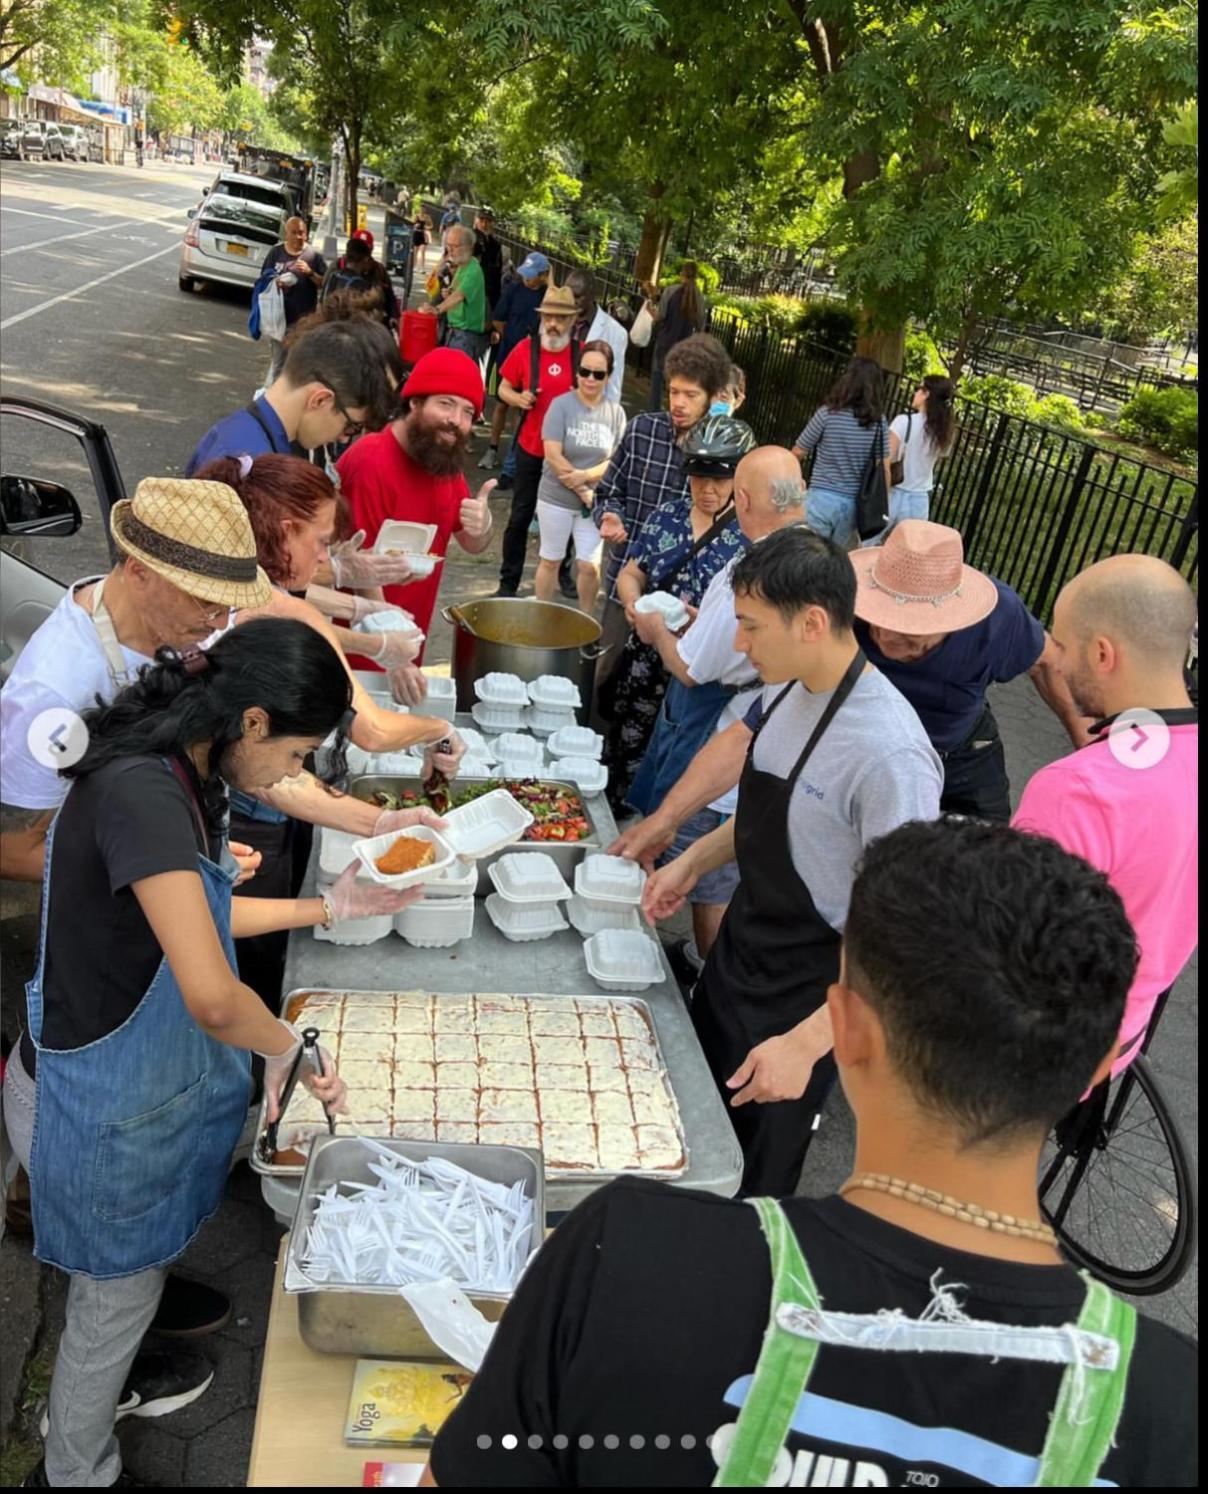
1128	801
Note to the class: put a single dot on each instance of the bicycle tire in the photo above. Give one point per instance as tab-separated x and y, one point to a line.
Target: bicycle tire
1085	1182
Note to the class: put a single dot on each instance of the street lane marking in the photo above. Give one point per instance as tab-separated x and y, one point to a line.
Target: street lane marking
29	213
82	289
63	238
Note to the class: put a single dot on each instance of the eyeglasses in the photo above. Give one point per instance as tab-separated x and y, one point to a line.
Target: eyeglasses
209	614
352	428
593	373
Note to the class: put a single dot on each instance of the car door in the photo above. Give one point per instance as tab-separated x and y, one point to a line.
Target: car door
42	446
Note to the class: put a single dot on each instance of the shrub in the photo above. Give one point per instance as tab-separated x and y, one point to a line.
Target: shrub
1165	418
922	357
830	323
1000	393
1060	411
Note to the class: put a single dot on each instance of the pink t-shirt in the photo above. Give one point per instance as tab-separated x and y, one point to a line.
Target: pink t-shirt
1140	826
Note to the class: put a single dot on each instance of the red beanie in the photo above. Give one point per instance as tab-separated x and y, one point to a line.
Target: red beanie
364	235
446	371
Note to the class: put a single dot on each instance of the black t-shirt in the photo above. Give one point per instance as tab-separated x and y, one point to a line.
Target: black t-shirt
640	1322
129	820
302	297
489	251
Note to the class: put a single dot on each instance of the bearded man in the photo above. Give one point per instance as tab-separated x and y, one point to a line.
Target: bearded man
412	470
538	369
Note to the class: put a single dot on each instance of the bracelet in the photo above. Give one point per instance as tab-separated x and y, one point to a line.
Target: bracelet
329	912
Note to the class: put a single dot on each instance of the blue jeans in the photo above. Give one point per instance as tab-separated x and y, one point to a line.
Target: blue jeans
508	469
904	503
830	513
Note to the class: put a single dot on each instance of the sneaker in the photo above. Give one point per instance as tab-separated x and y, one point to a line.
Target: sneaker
503	591
189	1309
36	1479
504	483
159	1382
489	460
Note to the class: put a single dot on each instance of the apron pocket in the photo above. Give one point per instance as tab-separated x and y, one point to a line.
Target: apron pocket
143	1161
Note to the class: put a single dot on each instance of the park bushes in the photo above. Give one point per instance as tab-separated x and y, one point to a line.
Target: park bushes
1057	411
1165	418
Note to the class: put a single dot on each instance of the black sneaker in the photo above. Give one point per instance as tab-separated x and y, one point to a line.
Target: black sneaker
188	1309
160	1381
36	1479
503	483
502	591
685	970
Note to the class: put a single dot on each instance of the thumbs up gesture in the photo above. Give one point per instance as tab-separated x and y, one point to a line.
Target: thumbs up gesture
475	519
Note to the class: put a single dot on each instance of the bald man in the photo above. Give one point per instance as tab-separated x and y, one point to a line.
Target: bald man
301	269
1127	802
711	687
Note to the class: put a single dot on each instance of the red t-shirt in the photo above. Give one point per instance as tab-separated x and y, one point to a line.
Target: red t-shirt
380	481
556	377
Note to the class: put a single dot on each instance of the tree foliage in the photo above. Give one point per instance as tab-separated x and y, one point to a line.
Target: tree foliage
57	41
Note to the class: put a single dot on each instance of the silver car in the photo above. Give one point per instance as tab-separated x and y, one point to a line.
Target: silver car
228	240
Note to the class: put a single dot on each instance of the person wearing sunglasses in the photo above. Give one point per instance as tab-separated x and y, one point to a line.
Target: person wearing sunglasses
581	430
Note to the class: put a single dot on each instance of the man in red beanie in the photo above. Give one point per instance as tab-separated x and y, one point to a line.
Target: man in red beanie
412	470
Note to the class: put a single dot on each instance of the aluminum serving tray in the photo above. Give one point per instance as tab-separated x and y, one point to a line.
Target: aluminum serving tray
296	1170
566	854
372	1320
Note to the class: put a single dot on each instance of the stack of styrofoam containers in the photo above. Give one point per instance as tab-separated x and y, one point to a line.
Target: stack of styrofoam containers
480	755
608	890
518	756
553	701
441	699
335	856
528	888
501	702
445	913
575	753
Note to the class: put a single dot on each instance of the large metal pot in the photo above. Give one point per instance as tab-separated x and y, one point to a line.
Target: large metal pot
527	638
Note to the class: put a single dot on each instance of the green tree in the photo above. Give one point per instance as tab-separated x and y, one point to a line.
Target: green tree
1159	292
64	38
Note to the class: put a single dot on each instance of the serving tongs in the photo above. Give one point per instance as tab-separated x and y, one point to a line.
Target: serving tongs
310	1053
436	785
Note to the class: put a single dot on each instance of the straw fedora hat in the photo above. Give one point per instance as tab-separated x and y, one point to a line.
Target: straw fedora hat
559	300
918	582
197	535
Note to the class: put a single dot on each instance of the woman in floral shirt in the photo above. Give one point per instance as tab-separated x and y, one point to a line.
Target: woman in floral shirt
679	549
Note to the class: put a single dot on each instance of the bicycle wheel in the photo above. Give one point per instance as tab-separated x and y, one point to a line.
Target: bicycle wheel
1116	1186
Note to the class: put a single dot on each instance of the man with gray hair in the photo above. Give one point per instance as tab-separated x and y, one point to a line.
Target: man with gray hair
464	306
712	685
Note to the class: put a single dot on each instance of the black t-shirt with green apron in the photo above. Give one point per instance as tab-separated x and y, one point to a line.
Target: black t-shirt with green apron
137	1109
633	1338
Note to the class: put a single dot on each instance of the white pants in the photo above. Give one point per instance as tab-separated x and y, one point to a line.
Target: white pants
557	526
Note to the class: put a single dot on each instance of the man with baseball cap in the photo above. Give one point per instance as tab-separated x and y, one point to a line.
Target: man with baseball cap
515	316
412	470
943	632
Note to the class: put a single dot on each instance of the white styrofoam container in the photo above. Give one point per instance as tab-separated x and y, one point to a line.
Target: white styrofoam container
623	959
576	741
516	745
459	879
388	622
544	723
517	767
501	689
335	854
675	614
473	766
386	702
523	921
528	877
356	930
495	718
401	534
441	699
397	764
588	775
609	881
369	850
588	919
554	692
486	825
436	924
422	566
476	744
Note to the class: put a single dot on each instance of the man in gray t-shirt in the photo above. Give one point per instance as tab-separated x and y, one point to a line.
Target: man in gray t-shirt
831	757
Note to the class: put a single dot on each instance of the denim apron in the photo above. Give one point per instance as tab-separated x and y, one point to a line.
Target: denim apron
686	721
133	1133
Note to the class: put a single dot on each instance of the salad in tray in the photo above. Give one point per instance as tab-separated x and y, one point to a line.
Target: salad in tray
558	812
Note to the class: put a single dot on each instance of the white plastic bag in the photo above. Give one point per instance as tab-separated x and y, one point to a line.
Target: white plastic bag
643	327
451	1321
272	313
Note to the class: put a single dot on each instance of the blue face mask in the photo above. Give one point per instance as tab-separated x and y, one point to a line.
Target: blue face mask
719	407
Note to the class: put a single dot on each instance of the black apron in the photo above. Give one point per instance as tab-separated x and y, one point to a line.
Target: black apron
770	967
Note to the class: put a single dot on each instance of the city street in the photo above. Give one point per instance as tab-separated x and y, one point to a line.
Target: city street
92	320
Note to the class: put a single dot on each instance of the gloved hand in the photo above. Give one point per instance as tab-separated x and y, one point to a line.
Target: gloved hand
248	860
410	685
330	1090
447	762
347	898
403	819
363	607
361	570
396	651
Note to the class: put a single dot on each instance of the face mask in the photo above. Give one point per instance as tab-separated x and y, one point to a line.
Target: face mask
719	407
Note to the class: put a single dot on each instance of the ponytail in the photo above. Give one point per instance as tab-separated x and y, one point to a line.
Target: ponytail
691	308
941	412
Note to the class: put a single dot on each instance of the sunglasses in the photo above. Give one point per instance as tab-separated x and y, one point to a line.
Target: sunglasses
593	373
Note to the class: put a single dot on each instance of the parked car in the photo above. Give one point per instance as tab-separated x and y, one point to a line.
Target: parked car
258	189
96	144
75	141
228	239
41	139
10	138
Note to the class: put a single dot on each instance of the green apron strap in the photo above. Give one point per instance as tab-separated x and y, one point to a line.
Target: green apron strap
785	1363
1082	1428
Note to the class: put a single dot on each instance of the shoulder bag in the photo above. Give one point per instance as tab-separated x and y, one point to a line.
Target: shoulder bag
872	501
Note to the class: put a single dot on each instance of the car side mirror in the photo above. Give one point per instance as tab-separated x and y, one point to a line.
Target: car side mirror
192	213
29	506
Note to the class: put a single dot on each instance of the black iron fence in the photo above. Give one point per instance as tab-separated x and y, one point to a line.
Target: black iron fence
1034	506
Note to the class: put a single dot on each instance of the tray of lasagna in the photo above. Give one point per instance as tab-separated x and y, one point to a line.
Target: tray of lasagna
580	1077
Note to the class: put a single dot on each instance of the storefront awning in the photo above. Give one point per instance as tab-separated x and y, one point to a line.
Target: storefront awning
113	113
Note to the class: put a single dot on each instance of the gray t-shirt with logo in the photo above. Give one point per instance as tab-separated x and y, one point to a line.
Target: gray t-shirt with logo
589	435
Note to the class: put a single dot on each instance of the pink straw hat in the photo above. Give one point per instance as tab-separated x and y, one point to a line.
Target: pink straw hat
918	582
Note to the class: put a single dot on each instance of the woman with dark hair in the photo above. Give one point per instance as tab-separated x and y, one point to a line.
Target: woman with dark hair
140	1033
580	432
919	443
678	313
844	432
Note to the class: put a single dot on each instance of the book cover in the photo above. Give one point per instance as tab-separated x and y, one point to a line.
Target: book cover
401	1403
